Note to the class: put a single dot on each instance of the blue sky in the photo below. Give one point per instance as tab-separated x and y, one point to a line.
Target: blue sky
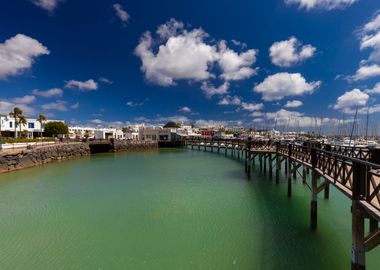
252	63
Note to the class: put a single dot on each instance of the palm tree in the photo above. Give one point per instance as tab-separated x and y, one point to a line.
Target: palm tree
22	121
41	118
16	113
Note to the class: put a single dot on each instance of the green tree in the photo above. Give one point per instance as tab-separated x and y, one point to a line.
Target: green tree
86	134
172	125
56	128
22	122
41	118
16	113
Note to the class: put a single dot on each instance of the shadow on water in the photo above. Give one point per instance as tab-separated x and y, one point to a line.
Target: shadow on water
285	239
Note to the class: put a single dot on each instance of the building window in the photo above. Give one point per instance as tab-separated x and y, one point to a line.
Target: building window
10	124
30	125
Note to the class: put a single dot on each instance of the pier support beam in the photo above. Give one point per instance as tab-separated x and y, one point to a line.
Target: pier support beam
270	166
278	168
286	166
304	177
358	230
265	163
314	192
358	248
289	179
327	191
249	165
314	201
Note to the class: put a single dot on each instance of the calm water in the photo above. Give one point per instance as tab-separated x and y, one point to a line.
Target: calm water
167	209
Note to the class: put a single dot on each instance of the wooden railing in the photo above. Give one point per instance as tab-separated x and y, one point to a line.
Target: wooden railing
345	167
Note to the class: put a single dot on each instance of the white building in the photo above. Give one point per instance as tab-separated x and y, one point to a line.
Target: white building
31	129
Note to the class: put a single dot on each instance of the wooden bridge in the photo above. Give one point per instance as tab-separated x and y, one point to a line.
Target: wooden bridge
353	171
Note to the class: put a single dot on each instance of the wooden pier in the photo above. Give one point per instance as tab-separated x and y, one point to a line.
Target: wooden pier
353	171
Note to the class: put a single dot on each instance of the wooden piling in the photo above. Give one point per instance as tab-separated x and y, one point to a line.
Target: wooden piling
289	170
304	176
327	191
278	163
286	166
265	163
358	233
314	193
270	167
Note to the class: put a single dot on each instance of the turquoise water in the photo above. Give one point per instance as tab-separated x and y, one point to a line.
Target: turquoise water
166	209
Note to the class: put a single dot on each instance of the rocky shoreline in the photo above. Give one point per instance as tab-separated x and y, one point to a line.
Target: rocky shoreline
42	155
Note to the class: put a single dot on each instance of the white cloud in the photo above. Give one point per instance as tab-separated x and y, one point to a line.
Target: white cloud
280	85
210	90
54	92
257	114
134	104
88	85
6	106
185	109
202	123
258	120
293	104
236	66
59	105
105	80
252	106
24	100
48	5
296	119
374	24
230	100
75	106
322	4
350	100
184	56
289	52
374	90
365	72
370	38
18	54
189	55
121	13
97	121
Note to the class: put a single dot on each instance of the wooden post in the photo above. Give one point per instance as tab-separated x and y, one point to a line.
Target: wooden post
289	169
358	190
265	163
304	177
294	169
314	192
373	225
327	191
278	164
261	162
270	167
286	165
249	158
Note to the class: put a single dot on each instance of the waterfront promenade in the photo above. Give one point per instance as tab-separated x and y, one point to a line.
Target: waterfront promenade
350	170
